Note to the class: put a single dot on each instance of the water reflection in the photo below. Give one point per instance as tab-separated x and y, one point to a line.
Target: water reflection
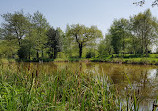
153	74
143	79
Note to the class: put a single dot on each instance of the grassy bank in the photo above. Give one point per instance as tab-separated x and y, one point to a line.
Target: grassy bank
5	60
145	61
152	59
71	60
60	90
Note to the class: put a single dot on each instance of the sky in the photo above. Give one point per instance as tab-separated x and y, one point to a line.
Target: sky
59	13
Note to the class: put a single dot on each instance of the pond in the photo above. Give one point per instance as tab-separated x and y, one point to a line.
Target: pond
143	79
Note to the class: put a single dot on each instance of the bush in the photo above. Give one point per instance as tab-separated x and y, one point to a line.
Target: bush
23	52
61	55
90	54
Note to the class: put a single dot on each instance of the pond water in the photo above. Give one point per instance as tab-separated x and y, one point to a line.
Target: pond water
143	79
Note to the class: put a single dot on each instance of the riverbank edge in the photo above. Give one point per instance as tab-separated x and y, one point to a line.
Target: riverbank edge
117	60
142	61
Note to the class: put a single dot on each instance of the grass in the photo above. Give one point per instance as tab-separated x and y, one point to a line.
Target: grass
5	60
26	89
152	59
71	59
61	90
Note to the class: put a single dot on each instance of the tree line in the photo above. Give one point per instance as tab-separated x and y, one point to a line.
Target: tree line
135	35
30	37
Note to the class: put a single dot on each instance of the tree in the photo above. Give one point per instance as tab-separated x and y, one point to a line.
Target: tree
25	49
82	35
105	47
53	42
144	28
118	32
40	27
8	49
15	26
30	39
67	44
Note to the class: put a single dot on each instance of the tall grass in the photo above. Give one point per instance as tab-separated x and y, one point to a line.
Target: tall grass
25	90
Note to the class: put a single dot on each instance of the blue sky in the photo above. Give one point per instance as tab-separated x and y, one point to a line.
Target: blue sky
59	13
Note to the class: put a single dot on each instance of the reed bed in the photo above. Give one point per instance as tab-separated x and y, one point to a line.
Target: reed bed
62	90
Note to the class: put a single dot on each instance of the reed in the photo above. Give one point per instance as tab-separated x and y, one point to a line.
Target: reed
60	90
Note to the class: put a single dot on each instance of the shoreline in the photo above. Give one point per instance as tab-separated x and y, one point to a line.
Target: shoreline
139	61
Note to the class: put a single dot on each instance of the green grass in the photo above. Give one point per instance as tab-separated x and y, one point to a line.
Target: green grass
70	59
6	60
60	90
152	59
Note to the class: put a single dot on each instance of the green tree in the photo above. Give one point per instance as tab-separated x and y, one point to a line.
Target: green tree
40	28
8	49
53	42
82	35
25	49
15	26
30	39
145	29
67	44
105	47
118	33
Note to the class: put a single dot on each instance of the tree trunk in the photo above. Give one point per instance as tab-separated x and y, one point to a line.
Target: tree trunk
109	51
55	52
50	53
146	50
80	50
37	55
42	54
51	56
19	41
29	55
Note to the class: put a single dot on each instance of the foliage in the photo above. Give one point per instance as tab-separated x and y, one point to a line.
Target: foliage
40	27
133	36
15	26
144	28
53	42
82	35
8	49
25	50
105	47
32	38
90	54
118	32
